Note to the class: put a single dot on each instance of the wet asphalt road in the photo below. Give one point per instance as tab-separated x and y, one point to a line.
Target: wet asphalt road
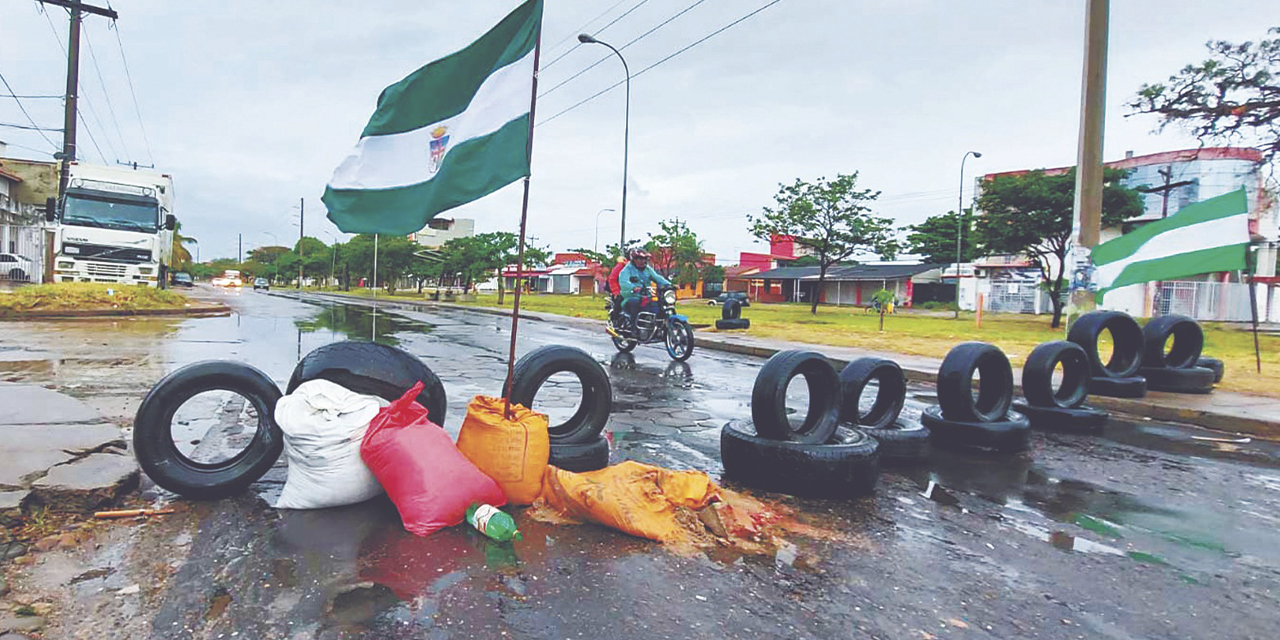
1173	537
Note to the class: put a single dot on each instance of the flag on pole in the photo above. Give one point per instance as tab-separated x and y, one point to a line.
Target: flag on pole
451	132
1206	237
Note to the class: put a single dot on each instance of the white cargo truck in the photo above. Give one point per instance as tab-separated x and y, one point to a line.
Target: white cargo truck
115	225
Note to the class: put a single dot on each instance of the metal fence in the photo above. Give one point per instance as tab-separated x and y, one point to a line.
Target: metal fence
1013	297
1214	301
21	253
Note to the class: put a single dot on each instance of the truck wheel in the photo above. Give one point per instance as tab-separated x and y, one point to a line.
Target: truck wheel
891	392
732	310
1126	336
1188	342
373	369
1037	375
533	370
162	279
955	383
769	397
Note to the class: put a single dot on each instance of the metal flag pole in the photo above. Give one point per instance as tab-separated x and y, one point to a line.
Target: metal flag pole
373	329
1251	259
524	219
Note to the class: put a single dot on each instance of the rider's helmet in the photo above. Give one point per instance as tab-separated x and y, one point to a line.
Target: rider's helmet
639	254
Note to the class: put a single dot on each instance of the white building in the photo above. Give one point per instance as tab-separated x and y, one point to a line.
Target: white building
441	230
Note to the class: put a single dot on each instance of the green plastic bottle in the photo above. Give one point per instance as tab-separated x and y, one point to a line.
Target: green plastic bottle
492	522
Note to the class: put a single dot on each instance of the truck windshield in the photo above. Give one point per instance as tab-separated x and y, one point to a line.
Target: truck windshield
109	213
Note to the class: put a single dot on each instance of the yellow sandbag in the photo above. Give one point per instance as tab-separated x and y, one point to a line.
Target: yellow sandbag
635	498
512	452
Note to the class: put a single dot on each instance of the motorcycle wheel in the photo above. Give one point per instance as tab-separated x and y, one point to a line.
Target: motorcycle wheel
624	345
679	341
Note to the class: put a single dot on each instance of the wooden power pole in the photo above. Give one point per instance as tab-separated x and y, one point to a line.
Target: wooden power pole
74	7
1087	224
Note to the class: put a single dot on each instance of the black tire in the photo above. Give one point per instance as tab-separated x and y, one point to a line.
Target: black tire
159	457
903	441
623	344
1213	364
587	456
1037	375
1188	342
769	397
846	466
1080	419
373	369
679	341
1009	435
955	383
1131	387
537	366
1193	380
732	309
891	392
1126	335
729	325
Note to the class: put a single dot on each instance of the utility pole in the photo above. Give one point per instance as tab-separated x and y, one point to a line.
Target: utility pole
302	220
1087	223
1166	188
74	7
239	247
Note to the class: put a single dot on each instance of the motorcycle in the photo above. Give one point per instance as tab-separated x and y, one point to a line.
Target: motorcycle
656	322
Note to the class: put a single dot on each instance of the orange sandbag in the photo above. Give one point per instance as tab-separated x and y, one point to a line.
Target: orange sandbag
634	498
511	451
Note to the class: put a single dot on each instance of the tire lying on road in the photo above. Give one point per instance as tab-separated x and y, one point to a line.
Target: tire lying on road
373	369
1193	380
955	383
848	465
891	392
1037	375
533	370
903	441
1079	419
1214	365
160	458
1009	435
1127	338
738	323
1188	342
580	457
769	397
1131	387
732	310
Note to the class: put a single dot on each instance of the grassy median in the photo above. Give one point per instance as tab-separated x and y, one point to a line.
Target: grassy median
80	296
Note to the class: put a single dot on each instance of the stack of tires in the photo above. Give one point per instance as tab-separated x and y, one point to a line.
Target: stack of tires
816	457
1061	407
982	421
731	316
576	444
1176	367
900	440
1118	376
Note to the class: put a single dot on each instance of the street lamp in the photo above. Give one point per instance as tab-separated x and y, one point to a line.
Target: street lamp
626	133
333	252
960	224
596	247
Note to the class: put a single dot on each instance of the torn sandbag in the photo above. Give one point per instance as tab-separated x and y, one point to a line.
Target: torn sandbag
323	425
513	451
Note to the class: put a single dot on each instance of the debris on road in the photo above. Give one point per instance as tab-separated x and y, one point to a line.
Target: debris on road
132	513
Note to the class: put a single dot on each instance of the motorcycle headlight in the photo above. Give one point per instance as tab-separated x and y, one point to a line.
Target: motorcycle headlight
669	297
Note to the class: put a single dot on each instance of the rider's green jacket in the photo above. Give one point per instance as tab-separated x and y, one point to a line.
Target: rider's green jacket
631	277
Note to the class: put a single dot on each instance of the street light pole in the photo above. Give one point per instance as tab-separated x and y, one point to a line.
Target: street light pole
960	224
626	133
596	246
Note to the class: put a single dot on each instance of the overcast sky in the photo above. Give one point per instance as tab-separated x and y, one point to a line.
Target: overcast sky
250	105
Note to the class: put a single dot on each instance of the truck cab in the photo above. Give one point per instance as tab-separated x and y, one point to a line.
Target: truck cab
115	225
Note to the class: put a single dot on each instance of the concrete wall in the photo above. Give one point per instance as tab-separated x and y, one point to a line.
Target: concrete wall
39	180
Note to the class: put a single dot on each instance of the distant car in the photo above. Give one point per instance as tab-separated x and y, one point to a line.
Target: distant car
16	268
740	296
183	279
261	283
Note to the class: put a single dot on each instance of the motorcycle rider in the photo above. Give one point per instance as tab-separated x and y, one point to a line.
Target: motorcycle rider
633	280
615	291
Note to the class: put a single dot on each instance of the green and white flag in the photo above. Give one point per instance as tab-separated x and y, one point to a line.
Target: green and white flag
1206	237
451	132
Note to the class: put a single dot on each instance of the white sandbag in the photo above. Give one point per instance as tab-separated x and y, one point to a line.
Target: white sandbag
323	424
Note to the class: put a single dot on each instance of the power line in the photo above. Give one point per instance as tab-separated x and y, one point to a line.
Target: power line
24	111
138	110
85	125
30	97
633	41
580	29
23	146
106	95
638	73
32	127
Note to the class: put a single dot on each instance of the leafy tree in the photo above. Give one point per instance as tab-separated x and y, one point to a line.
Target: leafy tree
395	255
268	255
883	298
831	218
935	238
1030	214
713	273
1234	95
804	261
181	257
593	256
677	252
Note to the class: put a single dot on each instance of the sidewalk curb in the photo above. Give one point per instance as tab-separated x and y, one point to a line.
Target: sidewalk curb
66	314
1148	407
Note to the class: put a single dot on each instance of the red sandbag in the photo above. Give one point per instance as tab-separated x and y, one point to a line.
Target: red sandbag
423	473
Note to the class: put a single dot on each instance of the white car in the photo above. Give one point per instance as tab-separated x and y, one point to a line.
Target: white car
16	268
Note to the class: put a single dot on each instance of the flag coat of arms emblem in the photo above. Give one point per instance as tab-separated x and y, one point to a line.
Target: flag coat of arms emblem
450	133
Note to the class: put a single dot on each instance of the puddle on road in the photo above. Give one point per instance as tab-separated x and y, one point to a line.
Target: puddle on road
361	323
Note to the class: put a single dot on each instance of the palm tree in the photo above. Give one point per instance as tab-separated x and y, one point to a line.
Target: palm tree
181	260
